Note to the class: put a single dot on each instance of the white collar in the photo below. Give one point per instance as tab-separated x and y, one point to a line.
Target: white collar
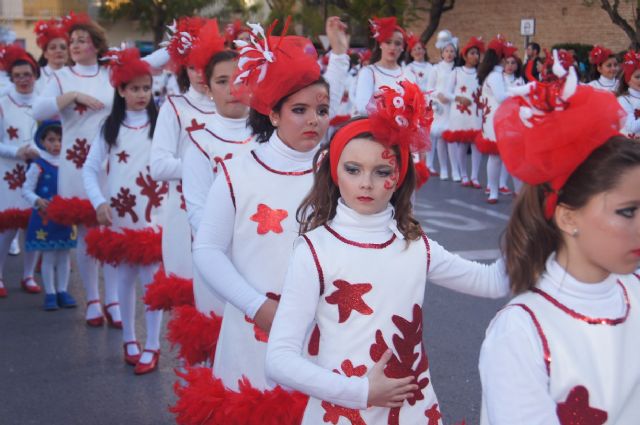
200	99
86	70
21	99
365	228
136	118
277	155
634	92
563	282
51	159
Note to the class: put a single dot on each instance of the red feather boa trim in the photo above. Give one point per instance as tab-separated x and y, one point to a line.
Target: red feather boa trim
70	211
464	136
166	292
14	218
195	333
486	146
422	174
131	246
204	400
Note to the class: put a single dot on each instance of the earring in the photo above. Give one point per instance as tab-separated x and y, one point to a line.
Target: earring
574	232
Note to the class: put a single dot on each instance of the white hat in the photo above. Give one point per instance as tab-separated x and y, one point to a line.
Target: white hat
445	38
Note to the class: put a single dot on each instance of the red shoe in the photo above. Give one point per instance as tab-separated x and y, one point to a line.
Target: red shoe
475	184
96	321
487	190
143	368
433	172
504	191
3	291
30	289
492	201
466	183
131	359
110	321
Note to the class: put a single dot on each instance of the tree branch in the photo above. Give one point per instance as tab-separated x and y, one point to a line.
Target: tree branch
612	11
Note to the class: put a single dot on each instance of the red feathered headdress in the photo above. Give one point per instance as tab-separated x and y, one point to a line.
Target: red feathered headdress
476	42
46	31
181	38
73	19
208	43
383	28
630	64
599	54
502	47
270	67
396	118
547	132
412	40
125	65
234	29
11	53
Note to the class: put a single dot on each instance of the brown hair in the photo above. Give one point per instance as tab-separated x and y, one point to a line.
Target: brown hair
319	206
97	34
529	238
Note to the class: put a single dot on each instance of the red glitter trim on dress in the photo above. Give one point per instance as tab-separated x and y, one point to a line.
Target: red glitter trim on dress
175	110
140	127
228	179
576	410
314	342
543	338
283	173
587	319
84	76
360	244
348	297
317	262
428	246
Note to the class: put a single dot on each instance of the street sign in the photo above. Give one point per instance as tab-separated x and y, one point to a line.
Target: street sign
527	27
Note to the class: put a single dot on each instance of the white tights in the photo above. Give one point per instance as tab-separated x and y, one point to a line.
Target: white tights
476	160
494	165
55	270
29	257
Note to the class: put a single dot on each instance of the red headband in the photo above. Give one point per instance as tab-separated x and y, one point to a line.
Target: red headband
630	64
349	132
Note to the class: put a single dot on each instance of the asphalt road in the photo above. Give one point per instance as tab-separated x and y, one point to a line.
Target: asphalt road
56	370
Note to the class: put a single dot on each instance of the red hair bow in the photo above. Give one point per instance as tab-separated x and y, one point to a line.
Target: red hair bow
412	40
46	31
502	47
125	65
630	64
599	55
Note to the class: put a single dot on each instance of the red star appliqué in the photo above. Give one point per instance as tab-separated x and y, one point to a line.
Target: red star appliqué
433	414
122	156
576	410
195	126
348	297
80	108
12	132
269	219
636	113
463	89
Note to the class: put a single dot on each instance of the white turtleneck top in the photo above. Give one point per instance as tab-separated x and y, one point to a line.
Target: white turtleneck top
631	105
605	83
32	176
11	150
214	236
496	81
301	296
94	165
515	382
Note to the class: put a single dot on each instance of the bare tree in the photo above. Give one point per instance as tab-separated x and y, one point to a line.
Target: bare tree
436	9
631	29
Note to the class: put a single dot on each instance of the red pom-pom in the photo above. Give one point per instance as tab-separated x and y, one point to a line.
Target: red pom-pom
131	246
195	333
204	400
167	292
70	211
14	218
422	174
125	65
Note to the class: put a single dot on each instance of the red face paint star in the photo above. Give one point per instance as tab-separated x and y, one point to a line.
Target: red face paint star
122	156
269	219
80	108
12	132
348	297
576	410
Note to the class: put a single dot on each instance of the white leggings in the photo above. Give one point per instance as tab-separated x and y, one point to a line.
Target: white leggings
494	166
126	278
29	257
88	269
55	270
476	160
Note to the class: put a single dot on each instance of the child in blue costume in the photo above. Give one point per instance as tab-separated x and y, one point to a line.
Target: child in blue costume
54	240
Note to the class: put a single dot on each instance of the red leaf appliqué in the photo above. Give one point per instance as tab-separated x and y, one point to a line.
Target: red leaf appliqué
124	203
333	412
16	177
78	152
153	190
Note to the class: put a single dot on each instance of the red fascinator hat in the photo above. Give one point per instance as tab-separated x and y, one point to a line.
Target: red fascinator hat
412	40
181	38
476	42
70	21
271	67
544	134
396	118
502	47
11	53
599	54
630	64
125	65
208	43
46	31
383	28
234	29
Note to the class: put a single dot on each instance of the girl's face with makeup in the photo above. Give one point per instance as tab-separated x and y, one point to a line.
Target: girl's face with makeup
81	48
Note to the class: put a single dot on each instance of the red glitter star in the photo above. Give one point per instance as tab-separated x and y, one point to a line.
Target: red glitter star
12	132
80	108
463	89
269	219
122	156
576	410
348	297
433	414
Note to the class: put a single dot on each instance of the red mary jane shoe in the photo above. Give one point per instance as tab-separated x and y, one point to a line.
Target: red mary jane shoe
96	321
134	358
30	289
110	321
143	368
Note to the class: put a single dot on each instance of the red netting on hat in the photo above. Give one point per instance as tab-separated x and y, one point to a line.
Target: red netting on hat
181	37
383	28
270	67
544	136
599	54
502	47
476	42
208	43
630	63
234	29
401	117
46	31
11	53
125	65
73	19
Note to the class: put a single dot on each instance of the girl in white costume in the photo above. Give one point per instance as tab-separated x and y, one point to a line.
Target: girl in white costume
437	89
385	69
128	206
463	91
494	92
629	94
604	69
359	236
17	128
52	38
248	226
417	62
564	351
